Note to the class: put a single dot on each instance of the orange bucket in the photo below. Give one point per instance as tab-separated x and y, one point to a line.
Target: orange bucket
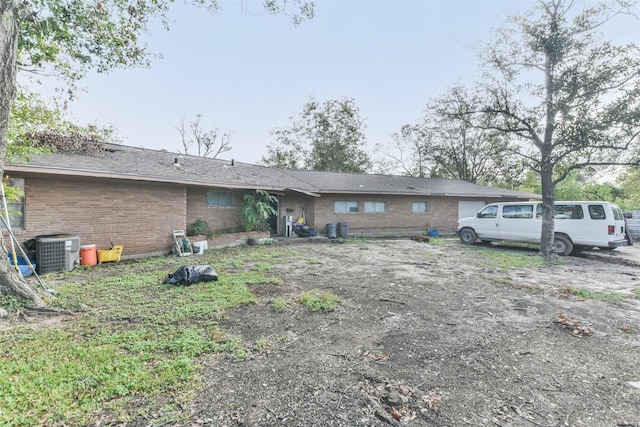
88	255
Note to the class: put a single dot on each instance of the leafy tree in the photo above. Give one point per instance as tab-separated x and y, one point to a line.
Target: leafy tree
208	143
324	137
568	95
445	144
69	37
37	126
257	208
629	184
579	186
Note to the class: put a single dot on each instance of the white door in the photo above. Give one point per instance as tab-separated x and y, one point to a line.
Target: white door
468	208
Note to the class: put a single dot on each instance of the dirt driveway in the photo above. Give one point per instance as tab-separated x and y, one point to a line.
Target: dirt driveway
433	335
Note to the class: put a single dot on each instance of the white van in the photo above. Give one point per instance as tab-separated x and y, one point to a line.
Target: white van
578	225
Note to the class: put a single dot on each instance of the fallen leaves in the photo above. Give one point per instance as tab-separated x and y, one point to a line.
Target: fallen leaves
432	402
401	402
577	328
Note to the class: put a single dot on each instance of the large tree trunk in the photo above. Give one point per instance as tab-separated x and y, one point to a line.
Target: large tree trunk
548	213
11	282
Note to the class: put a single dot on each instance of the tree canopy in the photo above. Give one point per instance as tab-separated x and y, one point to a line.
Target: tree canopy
445	144
326	136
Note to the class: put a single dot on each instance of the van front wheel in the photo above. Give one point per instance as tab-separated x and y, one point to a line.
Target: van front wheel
562	245
468	236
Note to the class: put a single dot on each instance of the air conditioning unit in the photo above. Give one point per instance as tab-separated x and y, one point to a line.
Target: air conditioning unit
57	254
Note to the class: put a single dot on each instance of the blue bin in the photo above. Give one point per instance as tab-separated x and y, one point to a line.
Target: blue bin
23	265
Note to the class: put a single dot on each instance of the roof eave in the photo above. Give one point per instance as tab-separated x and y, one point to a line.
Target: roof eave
135	177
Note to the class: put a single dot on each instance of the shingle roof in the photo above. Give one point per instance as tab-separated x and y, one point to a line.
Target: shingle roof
133	163
349	183
125	162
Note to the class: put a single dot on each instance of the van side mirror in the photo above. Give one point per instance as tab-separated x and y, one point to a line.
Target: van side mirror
627	214
479	215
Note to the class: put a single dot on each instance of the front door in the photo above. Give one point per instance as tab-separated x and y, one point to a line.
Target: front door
486	223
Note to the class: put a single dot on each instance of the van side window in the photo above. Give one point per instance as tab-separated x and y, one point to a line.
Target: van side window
569	212
597	212
617	214
517	211
488	212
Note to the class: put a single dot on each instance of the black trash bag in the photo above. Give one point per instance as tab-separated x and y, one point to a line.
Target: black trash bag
190	274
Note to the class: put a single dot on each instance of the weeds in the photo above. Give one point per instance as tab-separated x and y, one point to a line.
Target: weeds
599	296
131	336
264	345
12	304
507	260
317	300
279	304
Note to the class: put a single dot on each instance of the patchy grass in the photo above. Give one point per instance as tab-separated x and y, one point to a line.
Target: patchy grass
279	304
316	300
508	260
264	345
599	296
139	337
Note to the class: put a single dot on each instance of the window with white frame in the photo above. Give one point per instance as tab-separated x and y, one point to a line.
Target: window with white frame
419	207
342	206
219	198
375	207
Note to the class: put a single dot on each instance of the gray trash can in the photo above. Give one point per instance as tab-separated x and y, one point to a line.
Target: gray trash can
343	230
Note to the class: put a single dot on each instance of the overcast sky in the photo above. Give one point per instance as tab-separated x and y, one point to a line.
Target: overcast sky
247	72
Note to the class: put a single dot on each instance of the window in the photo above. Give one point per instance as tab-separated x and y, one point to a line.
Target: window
219	198
617	214
417	207
564	211
16	207
597	212
375	207
346	207
517	211
490	211
569	212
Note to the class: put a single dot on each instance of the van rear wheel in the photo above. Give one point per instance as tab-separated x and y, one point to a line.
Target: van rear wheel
562	245
468	236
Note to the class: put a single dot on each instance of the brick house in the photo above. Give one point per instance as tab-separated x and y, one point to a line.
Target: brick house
137	196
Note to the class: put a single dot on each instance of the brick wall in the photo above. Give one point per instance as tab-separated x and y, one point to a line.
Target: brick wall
138	215
297	203
398	220
141	215
219	218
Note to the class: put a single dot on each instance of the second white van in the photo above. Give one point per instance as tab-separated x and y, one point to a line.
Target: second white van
578	225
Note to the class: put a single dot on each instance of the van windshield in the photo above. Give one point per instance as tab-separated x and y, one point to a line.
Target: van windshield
490	211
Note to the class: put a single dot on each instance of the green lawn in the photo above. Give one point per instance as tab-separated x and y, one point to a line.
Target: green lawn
136	339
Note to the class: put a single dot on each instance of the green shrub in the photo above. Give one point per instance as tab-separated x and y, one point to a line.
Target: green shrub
199	227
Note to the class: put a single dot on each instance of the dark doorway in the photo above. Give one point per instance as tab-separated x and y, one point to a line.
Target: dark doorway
273	220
